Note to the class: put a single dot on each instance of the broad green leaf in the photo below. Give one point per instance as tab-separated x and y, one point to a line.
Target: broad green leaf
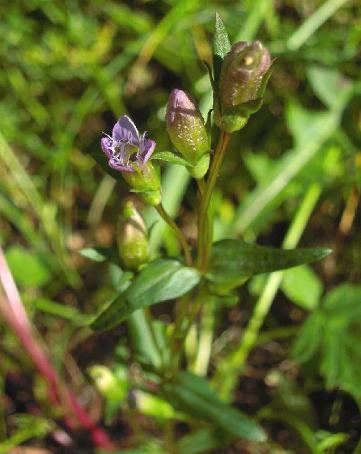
344	299
329	85
234	261
302	286
111	314
27	267
304	124
260	165
331	336
309	338
159	281
143	341
151	405
201	441
192	394
170	157
61	310
101	254
221	46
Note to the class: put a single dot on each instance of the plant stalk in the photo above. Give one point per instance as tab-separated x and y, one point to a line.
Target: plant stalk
185	317
187	255
205	224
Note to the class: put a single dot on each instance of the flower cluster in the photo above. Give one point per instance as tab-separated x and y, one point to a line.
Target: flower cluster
237	94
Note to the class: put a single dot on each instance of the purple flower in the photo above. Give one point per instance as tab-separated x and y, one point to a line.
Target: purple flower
126	149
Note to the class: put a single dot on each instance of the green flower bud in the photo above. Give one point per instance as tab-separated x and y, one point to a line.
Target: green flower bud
187	131
132	237
244	73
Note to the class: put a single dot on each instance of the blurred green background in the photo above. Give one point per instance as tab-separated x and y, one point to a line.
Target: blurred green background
69	69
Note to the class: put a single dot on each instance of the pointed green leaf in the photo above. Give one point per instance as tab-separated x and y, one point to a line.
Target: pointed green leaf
234	261
302	286
101	254
161	280
331	87
193	394
110	315
172	158
221	46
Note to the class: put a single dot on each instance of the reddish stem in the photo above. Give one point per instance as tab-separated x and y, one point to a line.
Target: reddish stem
15	315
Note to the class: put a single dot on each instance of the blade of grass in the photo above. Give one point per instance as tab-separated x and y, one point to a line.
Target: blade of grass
258	200
233	363
159	33
42	210
174	185
254	20
313	23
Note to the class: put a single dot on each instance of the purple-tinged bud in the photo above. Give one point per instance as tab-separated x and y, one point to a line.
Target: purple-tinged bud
244	72
132	237
187	131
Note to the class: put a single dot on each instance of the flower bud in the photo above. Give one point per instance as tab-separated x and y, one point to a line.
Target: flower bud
132	237
244	72
187	131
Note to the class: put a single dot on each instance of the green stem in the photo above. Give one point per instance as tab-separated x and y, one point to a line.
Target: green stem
179	331
205	219
184	320
201	362
201	186
230	366
178	232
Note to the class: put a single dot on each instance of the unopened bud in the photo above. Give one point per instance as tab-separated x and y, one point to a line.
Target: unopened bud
244	71
132	237
187	131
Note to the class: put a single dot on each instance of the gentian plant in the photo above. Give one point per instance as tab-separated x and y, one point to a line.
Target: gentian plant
202	275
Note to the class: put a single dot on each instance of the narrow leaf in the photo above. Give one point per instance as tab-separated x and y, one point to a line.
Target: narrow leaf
101	254
193	394
168	156
221	46
302	286
234	261
161	280
110	315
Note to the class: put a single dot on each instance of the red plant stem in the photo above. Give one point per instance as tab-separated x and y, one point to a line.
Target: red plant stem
12	309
